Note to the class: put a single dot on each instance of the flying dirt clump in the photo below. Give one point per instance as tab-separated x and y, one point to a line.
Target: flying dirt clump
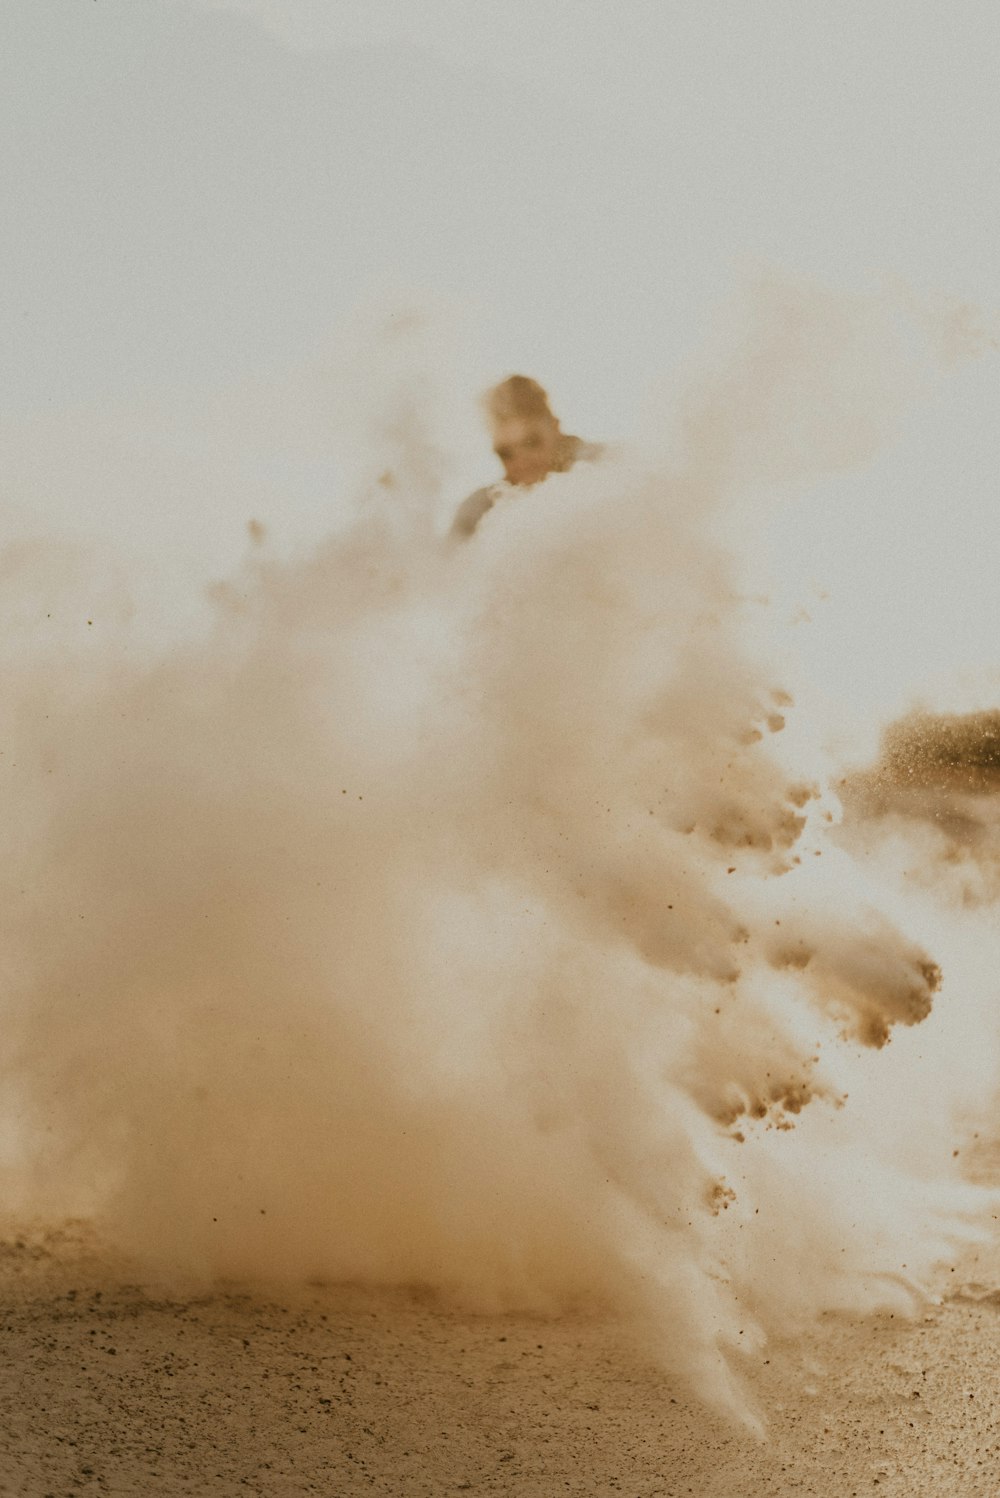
934	786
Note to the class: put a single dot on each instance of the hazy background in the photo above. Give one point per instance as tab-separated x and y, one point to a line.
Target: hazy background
199	198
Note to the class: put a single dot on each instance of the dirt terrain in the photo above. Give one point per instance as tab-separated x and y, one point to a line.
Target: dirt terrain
108	1387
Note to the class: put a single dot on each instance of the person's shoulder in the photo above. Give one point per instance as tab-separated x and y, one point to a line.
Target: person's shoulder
472	510
576	450
590	452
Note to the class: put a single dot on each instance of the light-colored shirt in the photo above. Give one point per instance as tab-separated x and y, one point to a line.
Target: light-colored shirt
469	513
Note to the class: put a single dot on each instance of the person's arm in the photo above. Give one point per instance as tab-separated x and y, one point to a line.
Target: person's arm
471	511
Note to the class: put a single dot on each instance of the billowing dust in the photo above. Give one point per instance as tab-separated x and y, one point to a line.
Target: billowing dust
457	914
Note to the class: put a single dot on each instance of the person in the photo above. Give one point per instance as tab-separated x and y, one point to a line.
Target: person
529	442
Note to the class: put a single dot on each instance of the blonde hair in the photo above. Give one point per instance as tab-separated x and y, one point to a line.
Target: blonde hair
518	396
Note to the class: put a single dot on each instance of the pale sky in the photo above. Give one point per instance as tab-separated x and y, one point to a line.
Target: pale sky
199	195
191	195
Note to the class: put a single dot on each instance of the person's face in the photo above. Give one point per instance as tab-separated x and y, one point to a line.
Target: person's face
527	447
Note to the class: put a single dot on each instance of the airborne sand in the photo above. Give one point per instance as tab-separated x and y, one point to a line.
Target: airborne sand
478	919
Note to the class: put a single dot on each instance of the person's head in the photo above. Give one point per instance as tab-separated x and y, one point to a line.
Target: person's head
526	436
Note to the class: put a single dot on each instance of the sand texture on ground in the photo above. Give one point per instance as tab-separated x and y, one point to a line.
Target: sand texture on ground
108	1387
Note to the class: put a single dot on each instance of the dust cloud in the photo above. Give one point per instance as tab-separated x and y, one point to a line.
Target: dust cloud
468	915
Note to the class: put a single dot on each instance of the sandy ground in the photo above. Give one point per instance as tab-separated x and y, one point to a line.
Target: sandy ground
109	1388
